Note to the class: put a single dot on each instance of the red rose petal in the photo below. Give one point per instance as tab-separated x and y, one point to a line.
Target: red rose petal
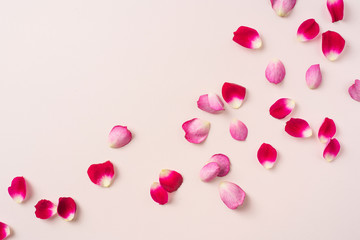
336	9
299	128
332	45
331	150
101	174
45	209
170	180
233	94
282	108
308	30
66	208
4	230
17	190
327	130
247	37
267	155
158	193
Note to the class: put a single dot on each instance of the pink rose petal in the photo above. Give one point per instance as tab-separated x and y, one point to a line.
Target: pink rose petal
275	71
233	94
119	136
231	194
308	30
327	130
196	130
283	7
66	208
101	174
332	45
282	108
45	209
158	193
17	190
354	90
331	150
267	155
247	37
170	180
4	230
223	162
210	103
313	76
238	130
209	171
336	9
299	128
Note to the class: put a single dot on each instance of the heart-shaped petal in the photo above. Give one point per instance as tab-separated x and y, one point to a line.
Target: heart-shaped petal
210	103
4	230
209	171
119	136
267	155
45	209
354	90
238	130
327	130
308	30
247	37
298	127
170	180
196	130
158	193
332	45
233	94
331	150
282	108
231	194
17	190
66	208
313	76
336	9
101	174
223	162
275	71
283	7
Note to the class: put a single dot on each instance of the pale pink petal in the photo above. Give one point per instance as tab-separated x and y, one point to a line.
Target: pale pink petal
101	174
4	230
223	162
170	180
336	9
158	193
327	130
238	130
308	30
196	130
282	107
297	127
231	194
247	37
275	71
283	7
210	103
313	76
119	136
17	190
267	155
45	209
209	171
66	208
233	94
332	45
331	150
354	90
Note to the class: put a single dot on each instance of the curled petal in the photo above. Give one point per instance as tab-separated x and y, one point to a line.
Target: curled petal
119	136
327	130
313	76
331	150
158	193
283	7
354	90
275	71
209	171
238	130
17	190
332	45
66	208
267	155
298	127
231	194
308	30
223	162
281	108
233	94
170	180
247	37
101	174
4	230
45	209
196	130
210	103
336	9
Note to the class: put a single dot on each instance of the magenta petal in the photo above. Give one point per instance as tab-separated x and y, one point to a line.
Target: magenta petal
17	190
4	230
354	90
327	130
308	30
331	150
233	94
210	103
45	209
281	108
223	162
209	171
275	71
336	9
283	7
332	45
101	174
196	130
158	193
238	130
267	155
66	208
297	127
313	76
170	180
119	136
247	37
231	194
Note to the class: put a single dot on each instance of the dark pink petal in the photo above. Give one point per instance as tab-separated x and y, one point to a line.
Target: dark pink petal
231	194
282	7
313	76
331	150
66	208
210	103
17	190
119	136
223	162
233	94
170	180
297	127
158	193
332	45
238	130
308	30
354	90
45	209
4	230
196	130
101	174
336	9
275	71
247	37
209	171
281	108
267	155
327	130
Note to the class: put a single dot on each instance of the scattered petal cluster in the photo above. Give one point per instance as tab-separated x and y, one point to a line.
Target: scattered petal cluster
169	181
326	135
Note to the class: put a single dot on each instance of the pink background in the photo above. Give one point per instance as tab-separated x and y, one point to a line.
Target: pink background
70	70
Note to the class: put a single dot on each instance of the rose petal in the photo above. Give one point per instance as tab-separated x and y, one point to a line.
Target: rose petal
45	209
308	30
327	130
209	171
238	130
297	127
119	136
281	108
210	103
4	230
196	130
331	150
267	155
231	194
233	94
275	71
354	90
313	76
101	174
66	208
336	9
247	37
170	180
283	7
158	193
223	162
332	45
17	190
